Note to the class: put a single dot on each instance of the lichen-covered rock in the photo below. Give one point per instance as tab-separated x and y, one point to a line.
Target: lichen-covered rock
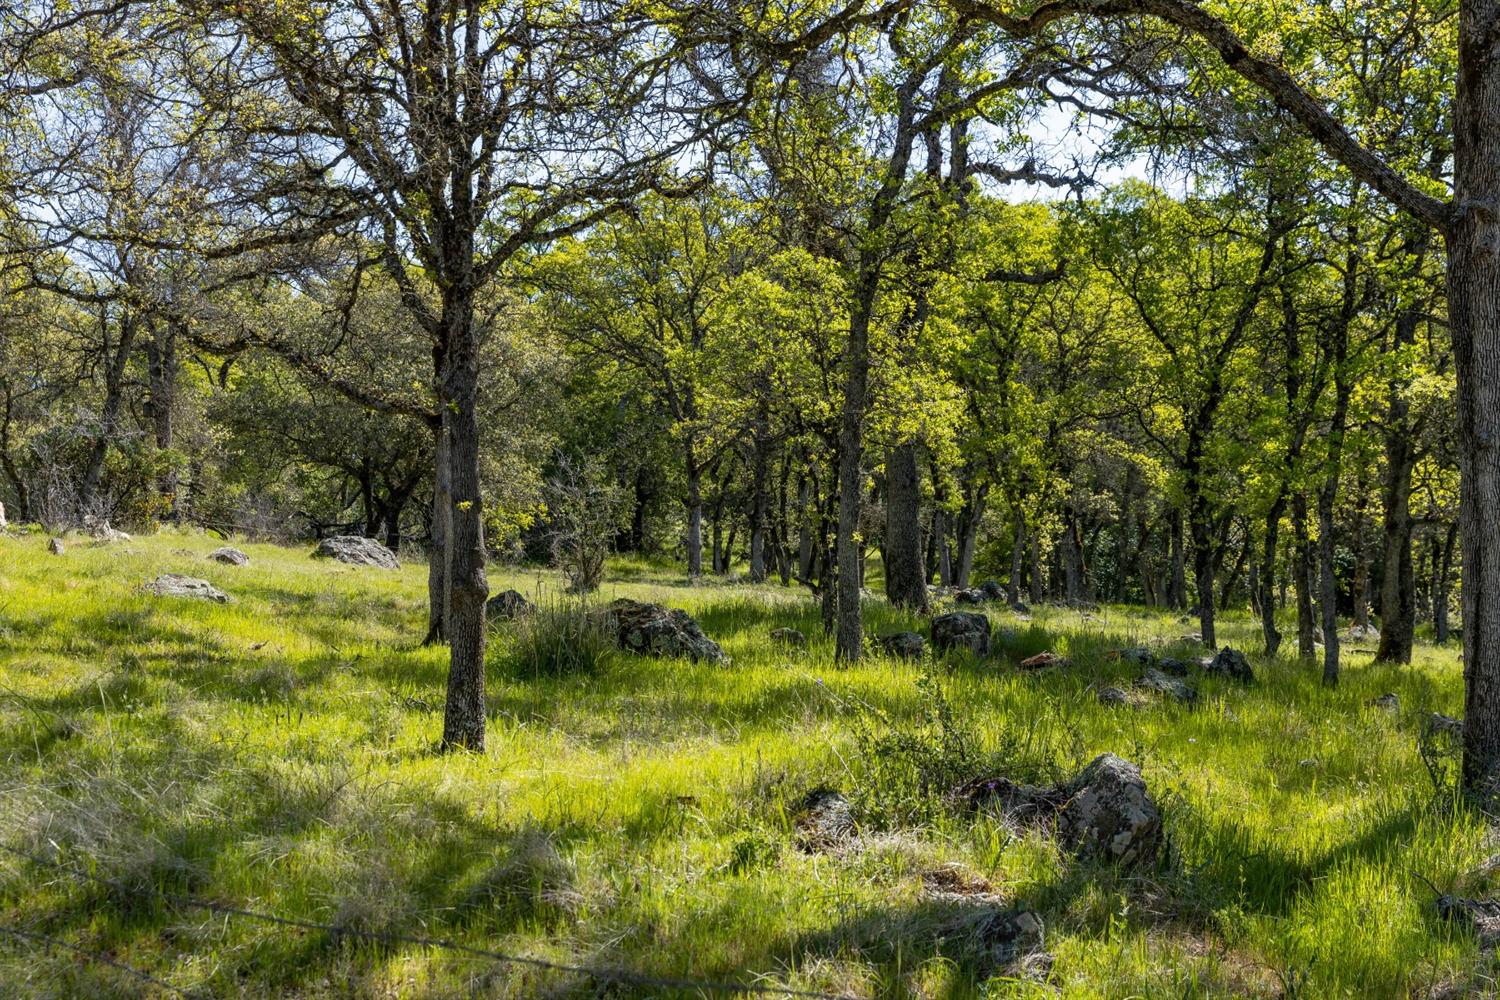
177	585
970	595
1155	681
56	547
660	631
906	645
961	630
992	590
1043	660
1109	814
1111	695
1231	663
1388	701
825	819
508	606
357	551
229	556
789	637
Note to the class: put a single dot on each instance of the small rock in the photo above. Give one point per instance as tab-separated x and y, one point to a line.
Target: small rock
1112	695
992	590
1482	915
825	819
1110	815
1362	633
102	532
1175	666
1388	701
1155	681
963	630
177	585
1020	608
357	551
229	556
1231	663
508	605
1043	660
1438	724
660	631
789	637
56	547
1138	655
906	645
970	596
1193	637
1011	936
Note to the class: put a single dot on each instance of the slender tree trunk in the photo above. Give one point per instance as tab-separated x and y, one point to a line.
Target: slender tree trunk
1267	581
905	569
437	554
1177	589
1072	556
116	352
1302	564
161	373
849	639
463	717
1442	573
1017	555
695	520
17	481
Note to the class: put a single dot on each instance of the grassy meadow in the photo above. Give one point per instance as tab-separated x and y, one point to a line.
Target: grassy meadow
277	754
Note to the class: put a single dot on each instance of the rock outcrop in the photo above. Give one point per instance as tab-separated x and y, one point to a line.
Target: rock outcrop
177	585
357	551
660	631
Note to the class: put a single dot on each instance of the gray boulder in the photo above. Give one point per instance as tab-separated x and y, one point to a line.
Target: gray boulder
1155	681
229	556
973	595
1111	695
659	631
56	547
357	551
1389	701
508	605
961	630
790	637
1438	724
906	645
992	590
1231	663
177	585
1109	815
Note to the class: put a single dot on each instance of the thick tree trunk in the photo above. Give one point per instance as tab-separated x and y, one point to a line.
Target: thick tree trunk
463	718
1473	241
17	481
1072	556
905	570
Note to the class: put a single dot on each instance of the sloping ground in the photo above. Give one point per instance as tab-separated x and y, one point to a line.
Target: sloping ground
275	754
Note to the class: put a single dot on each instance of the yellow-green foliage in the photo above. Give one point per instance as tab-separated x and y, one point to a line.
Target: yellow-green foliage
276	753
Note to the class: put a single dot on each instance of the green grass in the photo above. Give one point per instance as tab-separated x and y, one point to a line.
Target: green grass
277	753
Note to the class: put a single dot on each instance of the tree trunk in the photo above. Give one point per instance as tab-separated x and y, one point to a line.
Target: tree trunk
115	357
695	520
849	638
1302	564
437	554
1177	590
1267	580
161	371
1017	556
905	569
463	718
1072	556
1442	573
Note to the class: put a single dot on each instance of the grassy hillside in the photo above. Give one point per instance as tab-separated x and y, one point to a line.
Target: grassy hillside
276	754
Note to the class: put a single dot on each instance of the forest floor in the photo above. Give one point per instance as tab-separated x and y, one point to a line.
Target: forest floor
276	754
